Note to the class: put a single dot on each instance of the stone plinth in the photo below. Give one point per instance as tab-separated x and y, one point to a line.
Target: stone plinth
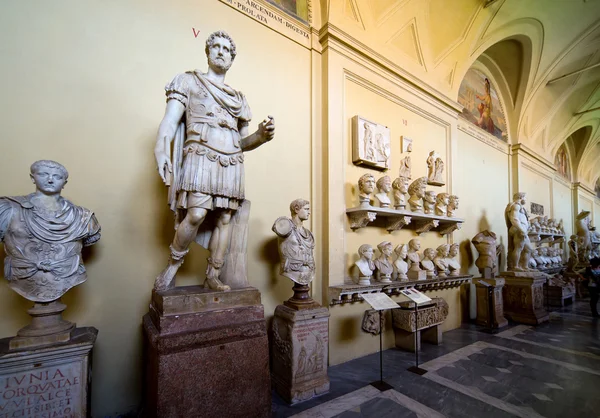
428	326
207	354
483	303
53	381
559	296
523	295
299	341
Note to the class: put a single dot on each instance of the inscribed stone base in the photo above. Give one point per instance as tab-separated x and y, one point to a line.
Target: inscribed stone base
207	354
299	353
52	381
483	303
523	296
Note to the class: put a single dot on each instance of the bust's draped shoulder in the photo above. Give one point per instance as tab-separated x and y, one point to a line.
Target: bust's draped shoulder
93	231
7	208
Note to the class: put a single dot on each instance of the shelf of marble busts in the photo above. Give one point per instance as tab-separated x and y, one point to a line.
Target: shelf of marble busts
394	220
543	237
349	293
552	269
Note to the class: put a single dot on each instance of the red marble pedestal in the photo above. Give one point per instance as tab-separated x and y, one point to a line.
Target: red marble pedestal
207	354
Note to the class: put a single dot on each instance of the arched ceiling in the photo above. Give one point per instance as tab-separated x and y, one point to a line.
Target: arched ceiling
531	44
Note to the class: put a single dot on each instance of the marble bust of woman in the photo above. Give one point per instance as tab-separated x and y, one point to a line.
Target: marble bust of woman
364	266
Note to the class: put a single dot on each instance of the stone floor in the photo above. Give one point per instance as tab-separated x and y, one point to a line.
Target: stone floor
552	370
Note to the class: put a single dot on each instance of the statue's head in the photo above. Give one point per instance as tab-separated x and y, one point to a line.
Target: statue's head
365	251
401	184
386	248
48	176
384	184
401	250
366	183
442	250
520	198
301	208
430	196
417	187
453	200
414	244
443	198
429	253
454	249
220	51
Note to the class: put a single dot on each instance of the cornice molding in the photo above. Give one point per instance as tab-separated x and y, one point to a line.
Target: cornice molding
584	187
331	36
517	149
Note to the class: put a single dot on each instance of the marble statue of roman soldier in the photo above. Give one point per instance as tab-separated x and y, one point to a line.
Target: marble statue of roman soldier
296	244
208	123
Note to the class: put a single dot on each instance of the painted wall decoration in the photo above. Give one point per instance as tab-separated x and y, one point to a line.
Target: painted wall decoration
481	104
296	8
561	162
537	209
370	143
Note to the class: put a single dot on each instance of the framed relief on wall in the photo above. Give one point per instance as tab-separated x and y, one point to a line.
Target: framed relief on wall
370	144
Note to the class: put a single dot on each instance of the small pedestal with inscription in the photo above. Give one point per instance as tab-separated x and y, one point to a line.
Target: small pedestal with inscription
207	354
490	309
299	341
50	381
523	296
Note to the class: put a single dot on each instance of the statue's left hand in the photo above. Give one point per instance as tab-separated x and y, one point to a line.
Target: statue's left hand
266	129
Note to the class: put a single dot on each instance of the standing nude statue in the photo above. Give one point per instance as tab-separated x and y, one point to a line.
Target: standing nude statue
519	246
208	123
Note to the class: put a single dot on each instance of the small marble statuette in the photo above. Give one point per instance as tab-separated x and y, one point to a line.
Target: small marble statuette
452	205
584	232
573	253
453	263
43	234
296	247
416	192
199	153
414	258
487	262
364	267
373	321
519	245
371	144
400	265
405	168
400	189
383	263
366	186
441	204
384	186
429	202
435	169
441	260
427	262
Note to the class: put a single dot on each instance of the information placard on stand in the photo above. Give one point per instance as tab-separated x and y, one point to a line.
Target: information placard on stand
380	302
419	299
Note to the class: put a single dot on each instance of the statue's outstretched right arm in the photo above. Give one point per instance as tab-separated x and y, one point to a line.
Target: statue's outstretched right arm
166	133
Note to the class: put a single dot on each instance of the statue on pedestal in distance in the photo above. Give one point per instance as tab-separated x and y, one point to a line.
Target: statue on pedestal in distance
519	246
208	123
43	235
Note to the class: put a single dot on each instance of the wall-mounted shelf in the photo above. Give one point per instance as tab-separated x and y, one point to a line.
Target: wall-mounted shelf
543	237
393	220
349	293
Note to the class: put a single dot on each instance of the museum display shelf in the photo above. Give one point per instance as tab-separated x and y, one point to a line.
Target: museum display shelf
348	293
395	219
543	237
552	269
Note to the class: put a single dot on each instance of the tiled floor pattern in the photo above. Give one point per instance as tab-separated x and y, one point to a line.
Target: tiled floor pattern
552	370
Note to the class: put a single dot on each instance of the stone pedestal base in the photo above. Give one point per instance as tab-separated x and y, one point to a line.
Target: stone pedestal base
483	305
523	296
47	327
417	275
53	381
207	354
299	353
428	326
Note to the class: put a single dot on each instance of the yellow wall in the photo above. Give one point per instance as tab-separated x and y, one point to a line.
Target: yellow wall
84	86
